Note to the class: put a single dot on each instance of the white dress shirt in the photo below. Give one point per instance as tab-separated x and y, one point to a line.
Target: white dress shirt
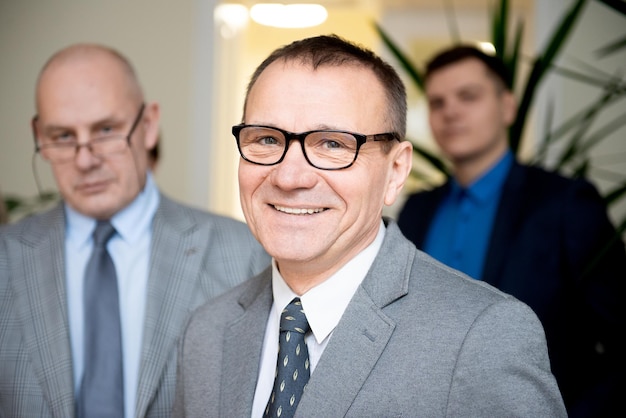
323	305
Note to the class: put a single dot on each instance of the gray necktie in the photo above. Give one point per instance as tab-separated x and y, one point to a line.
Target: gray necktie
102	387
292	368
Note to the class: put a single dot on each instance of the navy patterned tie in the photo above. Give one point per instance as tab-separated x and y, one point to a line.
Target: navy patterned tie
292	368
102	387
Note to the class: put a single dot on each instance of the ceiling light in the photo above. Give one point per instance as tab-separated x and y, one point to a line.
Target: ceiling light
288	15
487	48
230	18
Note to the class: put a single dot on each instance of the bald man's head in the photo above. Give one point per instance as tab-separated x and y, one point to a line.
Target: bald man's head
90	94
80	55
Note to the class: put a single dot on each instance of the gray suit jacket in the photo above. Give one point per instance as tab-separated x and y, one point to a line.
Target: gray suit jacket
195	256
418	339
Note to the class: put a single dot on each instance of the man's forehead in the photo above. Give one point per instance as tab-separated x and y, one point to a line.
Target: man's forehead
458	77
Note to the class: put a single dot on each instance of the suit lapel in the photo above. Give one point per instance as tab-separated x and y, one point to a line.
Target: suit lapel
360	338
177	246
426	211
506	223
362	333
240	369
41	301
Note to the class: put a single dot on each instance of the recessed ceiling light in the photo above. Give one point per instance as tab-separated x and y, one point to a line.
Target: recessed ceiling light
288	15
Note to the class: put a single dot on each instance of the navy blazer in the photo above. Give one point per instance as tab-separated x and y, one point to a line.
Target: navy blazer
554	248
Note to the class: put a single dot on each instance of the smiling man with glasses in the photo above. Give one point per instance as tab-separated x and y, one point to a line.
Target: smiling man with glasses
95	292
351	320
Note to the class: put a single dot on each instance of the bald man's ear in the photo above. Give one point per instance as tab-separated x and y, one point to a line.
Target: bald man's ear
151	120
33	128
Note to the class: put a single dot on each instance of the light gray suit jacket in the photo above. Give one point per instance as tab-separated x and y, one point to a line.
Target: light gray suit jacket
418	339
195	256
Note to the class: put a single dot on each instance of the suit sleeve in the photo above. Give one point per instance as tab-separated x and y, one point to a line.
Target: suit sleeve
503	366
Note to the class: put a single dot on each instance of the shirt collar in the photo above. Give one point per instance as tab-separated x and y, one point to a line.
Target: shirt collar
325	303
129	223
486	186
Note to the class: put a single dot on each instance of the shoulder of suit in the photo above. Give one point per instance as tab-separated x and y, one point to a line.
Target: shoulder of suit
35	225
172	208
553	180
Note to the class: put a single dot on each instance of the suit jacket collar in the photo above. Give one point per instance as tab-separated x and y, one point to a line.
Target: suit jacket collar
362	333
243	342
419	225
364	325
171	290
513	202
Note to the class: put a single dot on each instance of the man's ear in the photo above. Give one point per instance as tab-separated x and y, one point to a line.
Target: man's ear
151	119
509	107
401	163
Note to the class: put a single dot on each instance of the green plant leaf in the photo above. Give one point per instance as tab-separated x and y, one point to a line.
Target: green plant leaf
404	61
616	194
541	64
611	48
434	160
617	5
499	19
513	58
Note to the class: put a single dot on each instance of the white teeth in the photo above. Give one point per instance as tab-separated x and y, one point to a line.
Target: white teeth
296	211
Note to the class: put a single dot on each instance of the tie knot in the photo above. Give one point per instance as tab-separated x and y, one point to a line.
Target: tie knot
103	232
293	318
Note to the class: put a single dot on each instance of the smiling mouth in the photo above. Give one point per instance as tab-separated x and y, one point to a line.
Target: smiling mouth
298	211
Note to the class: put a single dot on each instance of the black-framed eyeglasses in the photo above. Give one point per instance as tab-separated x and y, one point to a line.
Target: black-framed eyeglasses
57	150
323	149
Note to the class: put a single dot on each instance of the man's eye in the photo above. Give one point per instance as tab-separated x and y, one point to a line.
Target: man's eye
435	104
332	144
332	141
468	97
106	130
62	137
267	140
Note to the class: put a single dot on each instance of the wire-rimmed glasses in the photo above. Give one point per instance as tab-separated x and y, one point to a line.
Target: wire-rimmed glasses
57	150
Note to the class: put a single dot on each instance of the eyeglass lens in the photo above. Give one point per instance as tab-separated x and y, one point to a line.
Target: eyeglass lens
323	149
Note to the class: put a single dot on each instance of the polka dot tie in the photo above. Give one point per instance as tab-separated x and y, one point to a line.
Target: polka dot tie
292	368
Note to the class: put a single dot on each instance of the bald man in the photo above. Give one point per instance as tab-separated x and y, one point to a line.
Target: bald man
94	128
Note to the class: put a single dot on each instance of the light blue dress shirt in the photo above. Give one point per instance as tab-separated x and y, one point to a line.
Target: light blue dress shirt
460	231
130	250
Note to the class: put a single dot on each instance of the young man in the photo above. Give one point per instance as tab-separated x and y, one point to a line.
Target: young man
351	318
84	339
540	237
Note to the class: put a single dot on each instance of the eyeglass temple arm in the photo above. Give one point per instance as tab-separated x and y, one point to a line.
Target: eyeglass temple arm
33	126
385	137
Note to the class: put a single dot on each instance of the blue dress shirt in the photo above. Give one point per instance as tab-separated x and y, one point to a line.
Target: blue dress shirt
461	228
130	250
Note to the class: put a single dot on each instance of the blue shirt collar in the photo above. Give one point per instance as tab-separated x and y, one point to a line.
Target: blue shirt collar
489	184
